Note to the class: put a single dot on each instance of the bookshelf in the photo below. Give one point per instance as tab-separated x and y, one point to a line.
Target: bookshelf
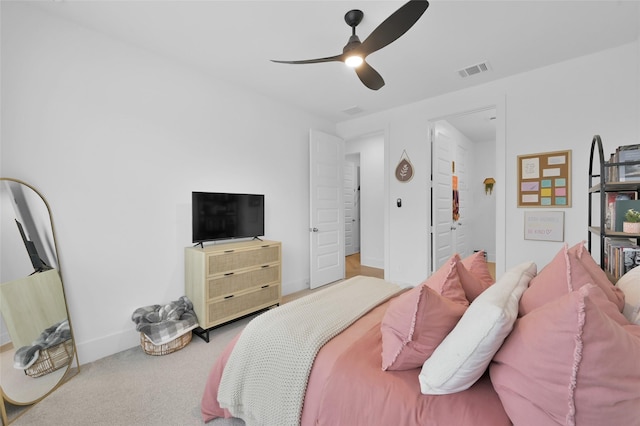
611	178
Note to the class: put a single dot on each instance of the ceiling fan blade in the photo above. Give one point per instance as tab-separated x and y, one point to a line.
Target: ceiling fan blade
313	61
394	26
370	77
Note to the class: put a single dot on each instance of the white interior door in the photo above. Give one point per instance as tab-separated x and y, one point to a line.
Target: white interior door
441	203
326	227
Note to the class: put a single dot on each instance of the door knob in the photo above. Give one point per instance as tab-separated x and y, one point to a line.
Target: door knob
313	229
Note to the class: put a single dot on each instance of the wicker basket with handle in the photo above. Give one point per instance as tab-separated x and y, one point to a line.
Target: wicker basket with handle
51	359
174	345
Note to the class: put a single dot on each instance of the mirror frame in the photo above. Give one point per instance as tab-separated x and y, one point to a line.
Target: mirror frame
18	408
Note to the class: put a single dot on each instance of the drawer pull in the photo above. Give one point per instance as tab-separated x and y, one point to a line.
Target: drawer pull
228	273
266	246
229	251
265	266
265	286
229	297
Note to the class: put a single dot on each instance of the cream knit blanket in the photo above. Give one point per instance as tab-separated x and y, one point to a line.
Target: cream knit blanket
265	378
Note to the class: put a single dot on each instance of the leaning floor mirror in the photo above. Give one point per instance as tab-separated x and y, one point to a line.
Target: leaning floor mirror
37	350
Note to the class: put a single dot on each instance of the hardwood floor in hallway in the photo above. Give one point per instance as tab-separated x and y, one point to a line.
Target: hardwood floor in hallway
353	267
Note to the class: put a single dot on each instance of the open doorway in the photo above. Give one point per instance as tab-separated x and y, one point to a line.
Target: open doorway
351	189
463	208
364	204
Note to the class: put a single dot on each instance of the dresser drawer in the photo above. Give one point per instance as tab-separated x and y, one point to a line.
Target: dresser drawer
238	282
238	259
236	306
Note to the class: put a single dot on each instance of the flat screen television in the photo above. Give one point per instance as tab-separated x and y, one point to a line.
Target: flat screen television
222	216
37	263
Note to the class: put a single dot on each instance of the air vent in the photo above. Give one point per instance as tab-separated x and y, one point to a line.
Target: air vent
474	69
353	110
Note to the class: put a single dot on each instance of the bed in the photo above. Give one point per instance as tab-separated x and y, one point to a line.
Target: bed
457	349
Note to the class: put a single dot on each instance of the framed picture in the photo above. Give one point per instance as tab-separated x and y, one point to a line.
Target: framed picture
544	226
544	179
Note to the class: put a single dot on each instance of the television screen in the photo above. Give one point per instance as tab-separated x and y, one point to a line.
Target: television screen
219	216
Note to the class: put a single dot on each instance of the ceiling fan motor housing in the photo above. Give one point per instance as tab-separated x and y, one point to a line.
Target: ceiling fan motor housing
353	43
353	18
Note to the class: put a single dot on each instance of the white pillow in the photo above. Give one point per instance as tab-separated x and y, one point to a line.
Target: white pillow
463	356
629	283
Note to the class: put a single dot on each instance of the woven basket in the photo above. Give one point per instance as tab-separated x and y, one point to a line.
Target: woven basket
175	345
51	359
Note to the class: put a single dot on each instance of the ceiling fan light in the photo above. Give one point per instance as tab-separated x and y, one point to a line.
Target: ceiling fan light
353	61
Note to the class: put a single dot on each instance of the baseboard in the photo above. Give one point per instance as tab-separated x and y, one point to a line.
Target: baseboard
372	262
4	337
294	287
96	349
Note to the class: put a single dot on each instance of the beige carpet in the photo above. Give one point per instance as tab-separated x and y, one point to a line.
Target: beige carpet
133	388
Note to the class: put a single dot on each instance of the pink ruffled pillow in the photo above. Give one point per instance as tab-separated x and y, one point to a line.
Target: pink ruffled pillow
471	284
571	362
477	265
414	325
446	282
564	274
597	274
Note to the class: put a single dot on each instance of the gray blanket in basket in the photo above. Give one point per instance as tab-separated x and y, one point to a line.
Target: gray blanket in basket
164	323
52	336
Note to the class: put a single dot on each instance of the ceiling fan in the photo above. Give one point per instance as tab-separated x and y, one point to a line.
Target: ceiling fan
355	52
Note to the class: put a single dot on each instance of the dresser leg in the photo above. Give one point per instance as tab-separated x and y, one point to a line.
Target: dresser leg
202	333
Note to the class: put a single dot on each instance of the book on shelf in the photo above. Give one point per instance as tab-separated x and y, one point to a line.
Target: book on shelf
620	256
610	213
631	258
611	174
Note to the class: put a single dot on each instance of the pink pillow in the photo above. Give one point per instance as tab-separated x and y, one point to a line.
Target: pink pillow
569	362
446	282
598	275
414	325
562	275
471	284
477	265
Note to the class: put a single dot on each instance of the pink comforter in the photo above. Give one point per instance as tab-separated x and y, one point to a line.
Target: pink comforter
347	386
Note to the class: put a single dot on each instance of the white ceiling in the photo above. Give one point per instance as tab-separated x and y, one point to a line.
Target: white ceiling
234	41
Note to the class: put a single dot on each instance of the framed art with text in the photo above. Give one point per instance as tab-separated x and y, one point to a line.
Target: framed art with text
544	179
544	226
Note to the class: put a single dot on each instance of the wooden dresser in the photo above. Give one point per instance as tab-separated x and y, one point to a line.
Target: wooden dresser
230	280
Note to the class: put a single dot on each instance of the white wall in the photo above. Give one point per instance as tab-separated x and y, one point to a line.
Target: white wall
552	108
116	139
483	236
371	150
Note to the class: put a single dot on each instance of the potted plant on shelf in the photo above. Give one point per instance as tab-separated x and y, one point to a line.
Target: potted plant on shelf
631	222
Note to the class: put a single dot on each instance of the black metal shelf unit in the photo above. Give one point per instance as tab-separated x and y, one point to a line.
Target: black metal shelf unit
598	184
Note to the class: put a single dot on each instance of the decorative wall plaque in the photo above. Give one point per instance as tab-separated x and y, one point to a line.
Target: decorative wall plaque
404	170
